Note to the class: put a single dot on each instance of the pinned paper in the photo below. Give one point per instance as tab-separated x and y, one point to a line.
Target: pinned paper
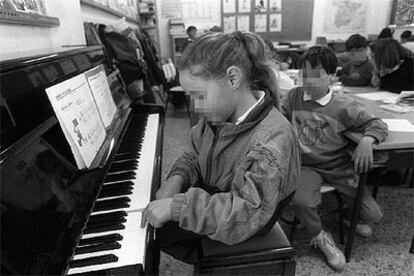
399	125
386	97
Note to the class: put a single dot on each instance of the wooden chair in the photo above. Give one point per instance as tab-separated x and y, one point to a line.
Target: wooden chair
325	189
267	253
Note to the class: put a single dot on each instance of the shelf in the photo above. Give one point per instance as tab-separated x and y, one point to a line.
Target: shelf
107	9
146	13
147	27
32	19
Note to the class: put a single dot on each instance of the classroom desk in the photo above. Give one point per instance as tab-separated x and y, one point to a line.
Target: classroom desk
396	152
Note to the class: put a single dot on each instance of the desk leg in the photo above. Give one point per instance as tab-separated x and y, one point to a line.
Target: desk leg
355	215
412	246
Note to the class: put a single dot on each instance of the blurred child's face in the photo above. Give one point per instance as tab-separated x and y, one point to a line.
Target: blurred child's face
211	97
193	34
315	81
358	54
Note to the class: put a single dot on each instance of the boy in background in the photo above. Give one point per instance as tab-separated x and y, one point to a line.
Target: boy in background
358	70
192	34
321	118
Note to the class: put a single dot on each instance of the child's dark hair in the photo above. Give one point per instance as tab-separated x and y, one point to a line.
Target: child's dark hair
191	28
319	55
385	33
355	41
388	52
406	34
213	53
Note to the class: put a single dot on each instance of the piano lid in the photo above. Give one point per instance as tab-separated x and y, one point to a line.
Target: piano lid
24	103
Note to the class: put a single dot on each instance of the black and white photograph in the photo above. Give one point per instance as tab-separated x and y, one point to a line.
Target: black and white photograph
207	137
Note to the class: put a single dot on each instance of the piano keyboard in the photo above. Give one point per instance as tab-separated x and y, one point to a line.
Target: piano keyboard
113	237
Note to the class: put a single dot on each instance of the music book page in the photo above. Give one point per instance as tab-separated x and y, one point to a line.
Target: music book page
78	116
102	95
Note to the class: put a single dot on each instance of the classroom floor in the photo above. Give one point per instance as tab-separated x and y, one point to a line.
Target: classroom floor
384	254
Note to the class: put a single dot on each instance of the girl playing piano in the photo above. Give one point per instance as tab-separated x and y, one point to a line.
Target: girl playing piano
244	158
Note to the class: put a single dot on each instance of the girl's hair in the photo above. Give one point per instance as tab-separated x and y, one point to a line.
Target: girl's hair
210	55
319	56
385	33
388	53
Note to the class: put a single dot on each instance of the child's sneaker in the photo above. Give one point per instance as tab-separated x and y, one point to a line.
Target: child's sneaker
333	255
362	229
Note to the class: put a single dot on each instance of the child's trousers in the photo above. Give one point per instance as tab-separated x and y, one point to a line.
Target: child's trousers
308	196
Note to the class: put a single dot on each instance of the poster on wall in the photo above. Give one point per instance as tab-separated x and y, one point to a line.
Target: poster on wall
275	22
229	24
260	23
244	6
29	6
229	6
260	5
345	16
243	23
403	12
275	5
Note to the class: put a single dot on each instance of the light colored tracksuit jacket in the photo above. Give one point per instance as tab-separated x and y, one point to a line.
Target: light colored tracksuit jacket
235	175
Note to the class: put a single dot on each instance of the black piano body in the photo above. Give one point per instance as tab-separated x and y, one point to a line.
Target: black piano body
46	202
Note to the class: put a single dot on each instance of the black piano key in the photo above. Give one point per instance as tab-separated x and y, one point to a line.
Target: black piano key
104	259
110	204
127	148
129	165
115	192
98	247
106	216
103	228
120	176
126	185
101	239
108	221
126	156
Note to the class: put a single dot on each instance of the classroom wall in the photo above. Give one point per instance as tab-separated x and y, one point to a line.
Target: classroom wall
163	25
18	39
377	17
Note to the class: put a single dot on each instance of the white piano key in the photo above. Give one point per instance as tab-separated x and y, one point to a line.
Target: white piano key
132	249
141	191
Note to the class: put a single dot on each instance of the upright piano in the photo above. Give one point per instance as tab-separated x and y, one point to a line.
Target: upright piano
55	218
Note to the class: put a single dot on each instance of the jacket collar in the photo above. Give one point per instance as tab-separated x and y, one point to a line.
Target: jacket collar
256	115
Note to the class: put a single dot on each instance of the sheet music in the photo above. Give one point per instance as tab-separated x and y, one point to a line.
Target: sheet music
101	92
78	116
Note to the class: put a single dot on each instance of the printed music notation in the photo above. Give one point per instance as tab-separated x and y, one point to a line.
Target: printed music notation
79	118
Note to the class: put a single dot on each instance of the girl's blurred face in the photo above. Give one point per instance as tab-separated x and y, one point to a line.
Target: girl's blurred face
213	98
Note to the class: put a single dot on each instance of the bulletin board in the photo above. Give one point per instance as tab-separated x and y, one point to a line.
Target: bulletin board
402	12
275	20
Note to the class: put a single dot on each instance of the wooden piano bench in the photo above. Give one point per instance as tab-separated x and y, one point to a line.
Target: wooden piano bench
270	254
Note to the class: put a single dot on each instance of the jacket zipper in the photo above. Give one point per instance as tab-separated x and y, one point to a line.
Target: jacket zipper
210	159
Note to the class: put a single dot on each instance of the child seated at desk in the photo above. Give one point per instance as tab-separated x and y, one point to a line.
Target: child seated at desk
321	118
393	66
244	156
358	70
